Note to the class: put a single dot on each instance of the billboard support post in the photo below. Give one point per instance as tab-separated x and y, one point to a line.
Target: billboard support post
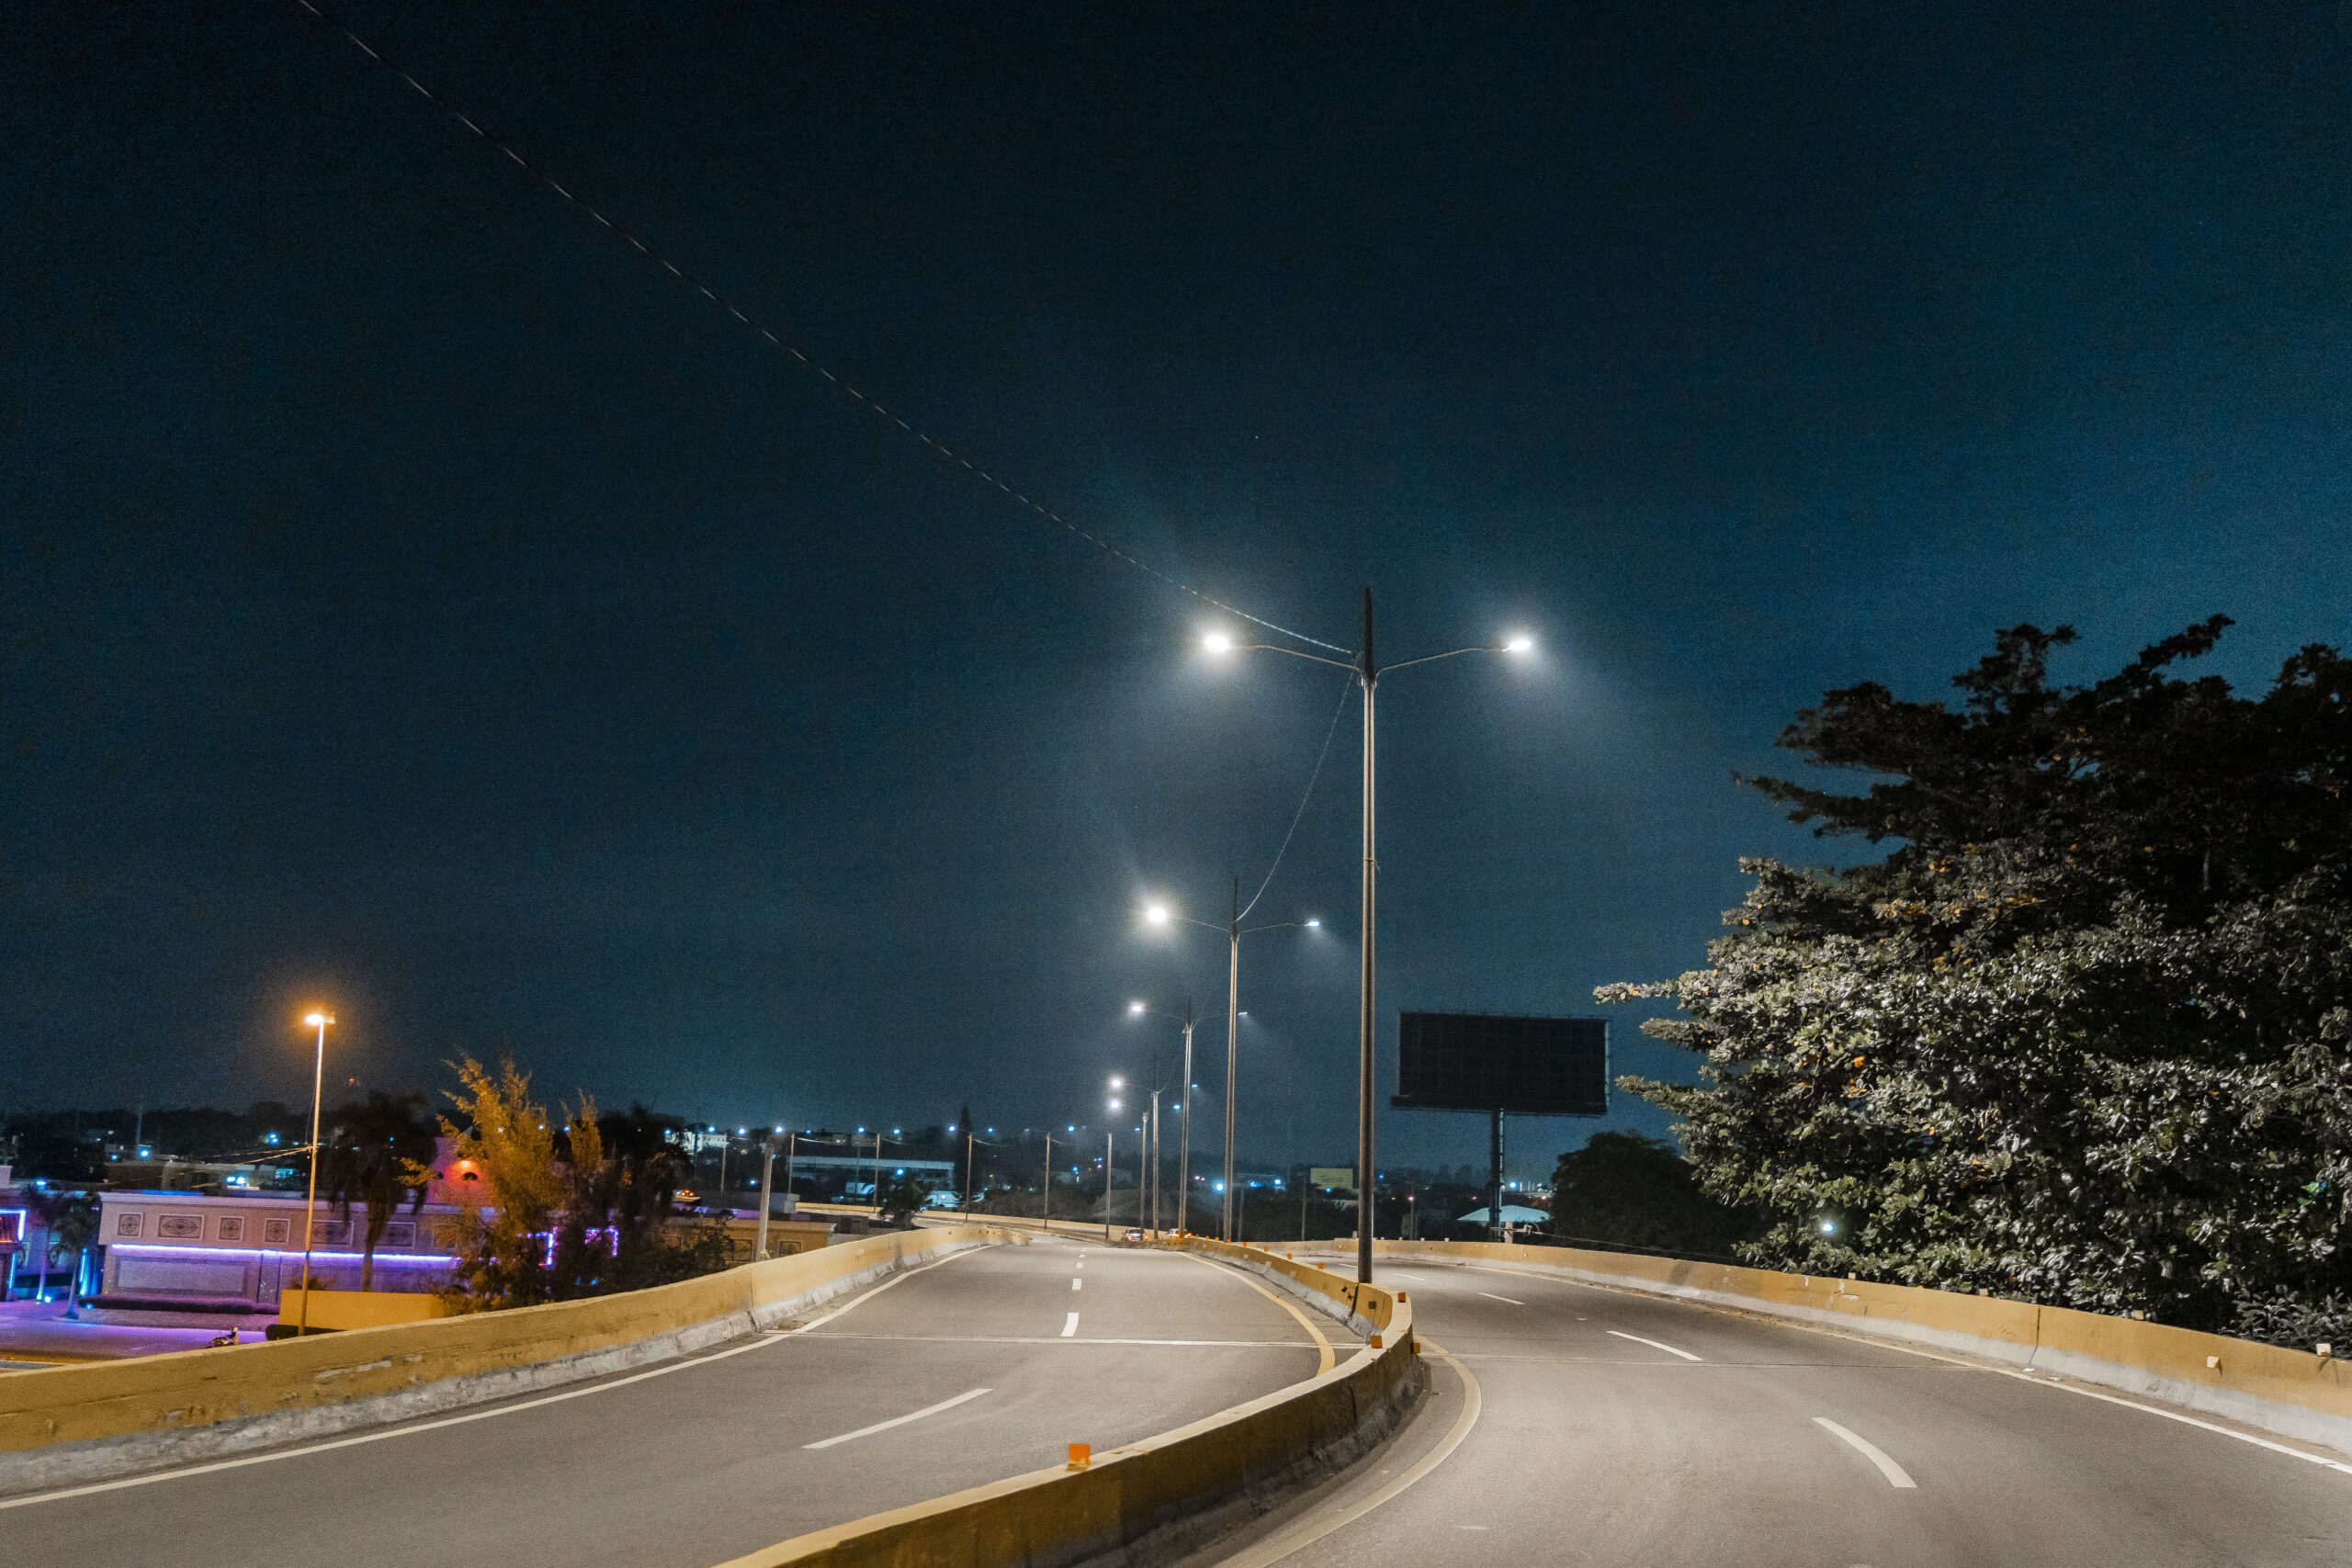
1495	1181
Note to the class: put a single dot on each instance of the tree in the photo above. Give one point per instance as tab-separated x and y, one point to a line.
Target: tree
1634	1190
901	1198
2081	1037
505	1218
624	1171
71	1220
372	1146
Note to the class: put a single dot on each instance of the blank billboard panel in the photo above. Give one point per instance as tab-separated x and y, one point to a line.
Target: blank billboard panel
1528	1067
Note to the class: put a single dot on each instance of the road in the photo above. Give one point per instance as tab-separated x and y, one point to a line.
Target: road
989	1364
1614	1429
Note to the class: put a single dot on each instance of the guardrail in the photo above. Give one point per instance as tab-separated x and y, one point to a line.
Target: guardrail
1180	1488
2292	1392
65	1424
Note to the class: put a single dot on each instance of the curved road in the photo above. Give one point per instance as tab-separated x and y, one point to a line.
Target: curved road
691	1462
1614	1429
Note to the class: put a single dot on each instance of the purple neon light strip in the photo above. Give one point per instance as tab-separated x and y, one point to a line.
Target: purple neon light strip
143	1249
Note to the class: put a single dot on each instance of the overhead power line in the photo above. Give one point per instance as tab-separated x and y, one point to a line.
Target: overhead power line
800	355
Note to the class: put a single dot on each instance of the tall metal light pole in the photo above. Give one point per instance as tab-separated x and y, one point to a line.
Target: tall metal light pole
1160	915
1367	673
318	1021
1048	1210
1183	1118
767	1198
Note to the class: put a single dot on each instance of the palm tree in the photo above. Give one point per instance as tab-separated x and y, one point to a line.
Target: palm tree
370	1146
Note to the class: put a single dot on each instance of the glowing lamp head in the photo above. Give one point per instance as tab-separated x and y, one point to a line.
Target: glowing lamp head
1135	1008
1218	642
1156	913
1114	1105
1314	925
1118	1083
1519	645
317	1020
1828	1227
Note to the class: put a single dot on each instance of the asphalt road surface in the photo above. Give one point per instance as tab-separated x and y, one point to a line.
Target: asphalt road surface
1613	1428
977	1368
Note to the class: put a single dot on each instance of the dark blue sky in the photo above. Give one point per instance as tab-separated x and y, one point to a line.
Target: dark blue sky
413	598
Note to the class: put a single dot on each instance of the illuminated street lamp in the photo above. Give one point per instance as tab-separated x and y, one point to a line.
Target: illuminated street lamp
1160	915
318	1021
1158	1156
1367	674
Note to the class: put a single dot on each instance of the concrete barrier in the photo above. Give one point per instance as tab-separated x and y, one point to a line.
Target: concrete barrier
357	1309
1163	1495
2292	1392
68	1424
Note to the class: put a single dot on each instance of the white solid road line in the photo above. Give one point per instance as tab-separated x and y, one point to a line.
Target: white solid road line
2176	1415
1895	1475
1315	1527
899	1420
768	1338
1656	1345
1505	1300
1069	1326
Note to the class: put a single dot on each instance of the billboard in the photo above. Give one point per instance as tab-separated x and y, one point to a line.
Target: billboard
1341	1175
1528	1067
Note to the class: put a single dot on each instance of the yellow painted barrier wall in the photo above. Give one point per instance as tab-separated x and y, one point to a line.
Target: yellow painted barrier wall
1061	1515
191	1390
2291	1391
357	1309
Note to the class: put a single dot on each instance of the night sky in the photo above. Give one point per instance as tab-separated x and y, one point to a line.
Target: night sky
412	599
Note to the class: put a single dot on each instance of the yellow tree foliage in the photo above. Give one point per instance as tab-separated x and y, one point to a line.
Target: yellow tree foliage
506	1217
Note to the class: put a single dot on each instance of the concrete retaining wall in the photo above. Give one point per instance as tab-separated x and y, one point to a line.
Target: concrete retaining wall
1158	1498
2292	1392
68	1425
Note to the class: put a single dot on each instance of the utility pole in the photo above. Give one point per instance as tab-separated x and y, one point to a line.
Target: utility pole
1107	1137
967	1171
1048	1210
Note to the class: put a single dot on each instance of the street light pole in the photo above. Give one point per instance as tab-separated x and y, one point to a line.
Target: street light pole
1185	1133
767	1198
1232	1045
1183	1124
1153	1156
1160	915
1048	1210
1367	673
310	1208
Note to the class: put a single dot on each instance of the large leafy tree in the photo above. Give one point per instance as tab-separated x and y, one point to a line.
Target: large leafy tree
2082	1035
1630	1191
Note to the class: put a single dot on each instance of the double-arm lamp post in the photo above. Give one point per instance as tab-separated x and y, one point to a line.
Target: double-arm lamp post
1183	1123
1367	674
1160	915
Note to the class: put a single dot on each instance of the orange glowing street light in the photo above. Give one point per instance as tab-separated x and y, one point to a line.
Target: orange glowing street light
319	1021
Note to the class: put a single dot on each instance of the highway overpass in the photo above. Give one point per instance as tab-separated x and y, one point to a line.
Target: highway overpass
1566	1422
